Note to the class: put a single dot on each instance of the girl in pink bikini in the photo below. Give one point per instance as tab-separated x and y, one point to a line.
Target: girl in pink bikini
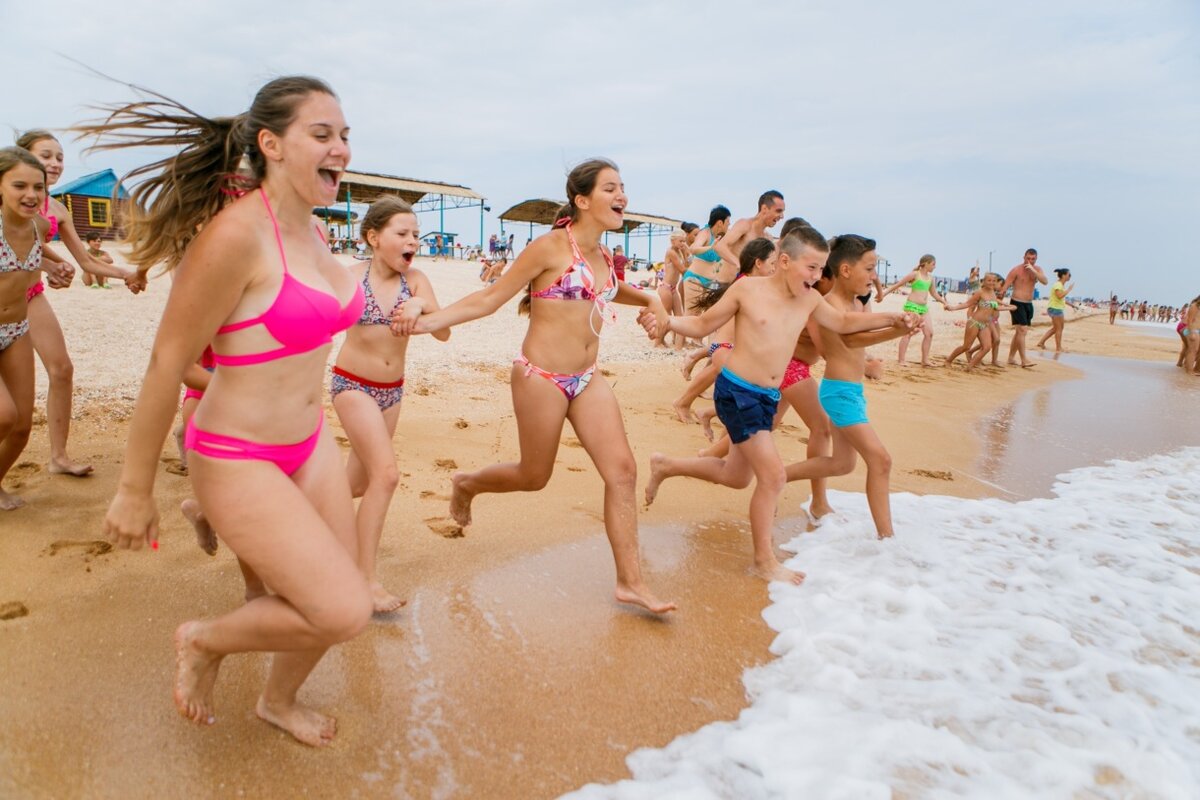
252	279
368	376
22	190
572	285
44	330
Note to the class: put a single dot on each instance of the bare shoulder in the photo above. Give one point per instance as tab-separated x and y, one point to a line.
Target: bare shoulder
227	245
58	209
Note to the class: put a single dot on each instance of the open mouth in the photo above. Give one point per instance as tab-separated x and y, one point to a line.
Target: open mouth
407	258
330	176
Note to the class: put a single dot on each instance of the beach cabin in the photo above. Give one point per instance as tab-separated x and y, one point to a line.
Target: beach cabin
90	201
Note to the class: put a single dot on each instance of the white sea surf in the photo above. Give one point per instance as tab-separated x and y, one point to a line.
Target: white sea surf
1047	648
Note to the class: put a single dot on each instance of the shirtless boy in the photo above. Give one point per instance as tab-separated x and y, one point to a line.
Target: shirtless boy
770	211
1021	279
93	241
769	314
852	262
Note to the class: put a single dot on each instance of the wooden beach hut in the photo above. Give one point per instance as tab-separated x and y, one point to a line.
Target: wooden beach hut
90	200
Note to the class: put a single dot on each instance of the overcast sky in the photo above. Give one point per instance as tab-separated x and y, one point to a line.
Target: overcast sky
961	129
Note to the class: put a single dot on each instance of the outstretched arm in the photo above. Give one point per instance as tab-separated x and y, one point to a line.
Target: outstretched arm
970	302
697	327
78	250
842	322
531	263
905	281
423	301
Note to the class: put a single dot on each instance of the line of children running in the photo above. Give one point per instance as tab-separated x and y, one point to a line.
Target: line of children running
769	315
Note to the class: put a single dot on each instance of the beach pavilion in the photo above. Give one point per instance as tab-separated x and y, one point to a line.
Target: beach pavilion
541	211
424	196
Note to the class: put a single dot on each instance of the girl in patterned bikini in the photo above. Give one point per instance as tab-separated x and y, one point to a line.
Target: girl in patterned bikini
571	283
923	287
22	192
984	305
44	330
368	376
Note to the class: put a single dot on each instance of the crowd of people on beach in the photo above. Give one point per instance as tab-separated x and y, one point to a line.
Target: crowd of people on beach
256	300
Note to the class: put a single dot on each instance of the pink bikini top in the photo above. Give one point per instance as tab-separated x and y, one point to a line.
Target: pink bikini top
301	319
53	229
578	282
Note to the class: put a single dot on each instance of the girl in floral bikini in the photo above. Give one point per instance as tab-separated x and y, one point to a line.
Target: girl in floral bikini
571	285
368	376
923	287
22	190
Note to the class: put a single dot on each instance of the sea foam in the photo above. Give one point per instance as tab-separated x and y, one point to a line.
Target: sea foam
1044	648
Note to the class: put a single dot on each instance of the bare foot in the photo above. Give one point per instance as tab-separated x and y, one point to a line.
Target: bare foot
689	364
306	725
385	601
642	596
706	418
656	477
206	537
9	502
882	535
65	466
775	571
1041	345
195	675
460	501
819	510
1028	365
684	412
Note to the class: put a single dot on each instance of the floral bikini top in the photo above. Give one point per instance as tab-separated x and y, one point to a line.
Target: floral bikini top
372	314
578	282
8	257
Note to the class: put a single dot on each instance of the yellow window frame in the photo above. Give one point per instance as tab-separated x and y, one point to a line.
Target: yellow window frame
93	205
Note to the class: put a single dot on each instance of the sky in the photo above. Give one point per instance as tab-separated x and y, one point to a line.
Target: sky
969	130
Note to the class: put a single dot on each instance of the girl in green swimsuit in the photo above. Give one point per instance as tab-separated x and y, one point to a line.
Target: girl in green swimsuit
983	304
921	281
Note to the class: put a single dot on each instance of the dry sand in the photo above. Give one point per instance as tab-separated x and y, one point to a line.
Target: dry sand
511	673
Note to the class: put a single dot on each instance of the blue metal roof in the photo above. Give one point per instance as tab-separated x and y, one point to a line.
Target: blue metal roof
97	184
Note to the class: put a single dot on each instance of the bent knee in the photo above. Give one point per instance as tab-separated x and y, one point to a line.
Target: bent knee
880	462
773	479
534	479
346	618
385	479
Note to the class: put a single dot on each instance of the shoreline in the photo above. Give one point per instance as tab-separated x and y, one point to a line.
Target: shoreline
511	671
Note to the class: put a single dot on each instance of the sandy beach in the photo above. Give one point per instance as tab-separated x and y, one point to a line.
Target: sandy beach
511	672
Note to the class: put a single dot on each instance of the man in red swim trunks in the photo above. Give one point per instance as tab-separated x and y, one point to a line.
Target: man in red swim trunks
1021	279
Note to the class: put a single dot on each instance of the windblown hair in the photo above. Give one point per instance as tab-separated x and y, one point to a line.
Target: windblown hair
15	156
925	259
580	181
219	161
380	214
755	250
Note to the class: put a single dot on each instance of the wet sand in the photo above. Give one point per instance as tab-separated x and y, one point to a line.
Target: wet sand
511	673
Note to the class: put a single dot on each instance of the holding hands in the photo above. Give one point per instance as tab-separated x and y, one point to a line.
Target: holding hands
405	320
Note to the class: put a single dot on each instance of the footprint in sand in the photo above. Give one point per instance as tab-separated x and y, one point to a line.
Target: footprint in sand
461	424
427	494
13	610
26	468
342	440
572	443
446	463
444	526
936	474
175	466
576	469
423	391
90	547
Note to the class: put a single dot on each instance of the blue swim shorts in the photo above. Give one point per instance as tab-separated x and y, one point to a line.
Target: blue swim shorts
744	408
844	402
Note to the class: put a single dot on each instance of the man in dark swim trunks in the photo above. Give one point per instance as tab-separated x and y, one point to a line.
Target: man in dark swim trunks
1021	279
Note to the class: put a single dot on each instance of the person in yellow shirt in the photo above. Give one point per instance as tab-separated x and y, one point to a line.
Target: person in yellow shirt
1057	309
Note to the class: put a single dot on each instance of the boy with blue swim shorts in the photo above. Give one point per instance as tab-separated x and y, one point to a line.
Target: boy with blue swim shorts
769	314
851	266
